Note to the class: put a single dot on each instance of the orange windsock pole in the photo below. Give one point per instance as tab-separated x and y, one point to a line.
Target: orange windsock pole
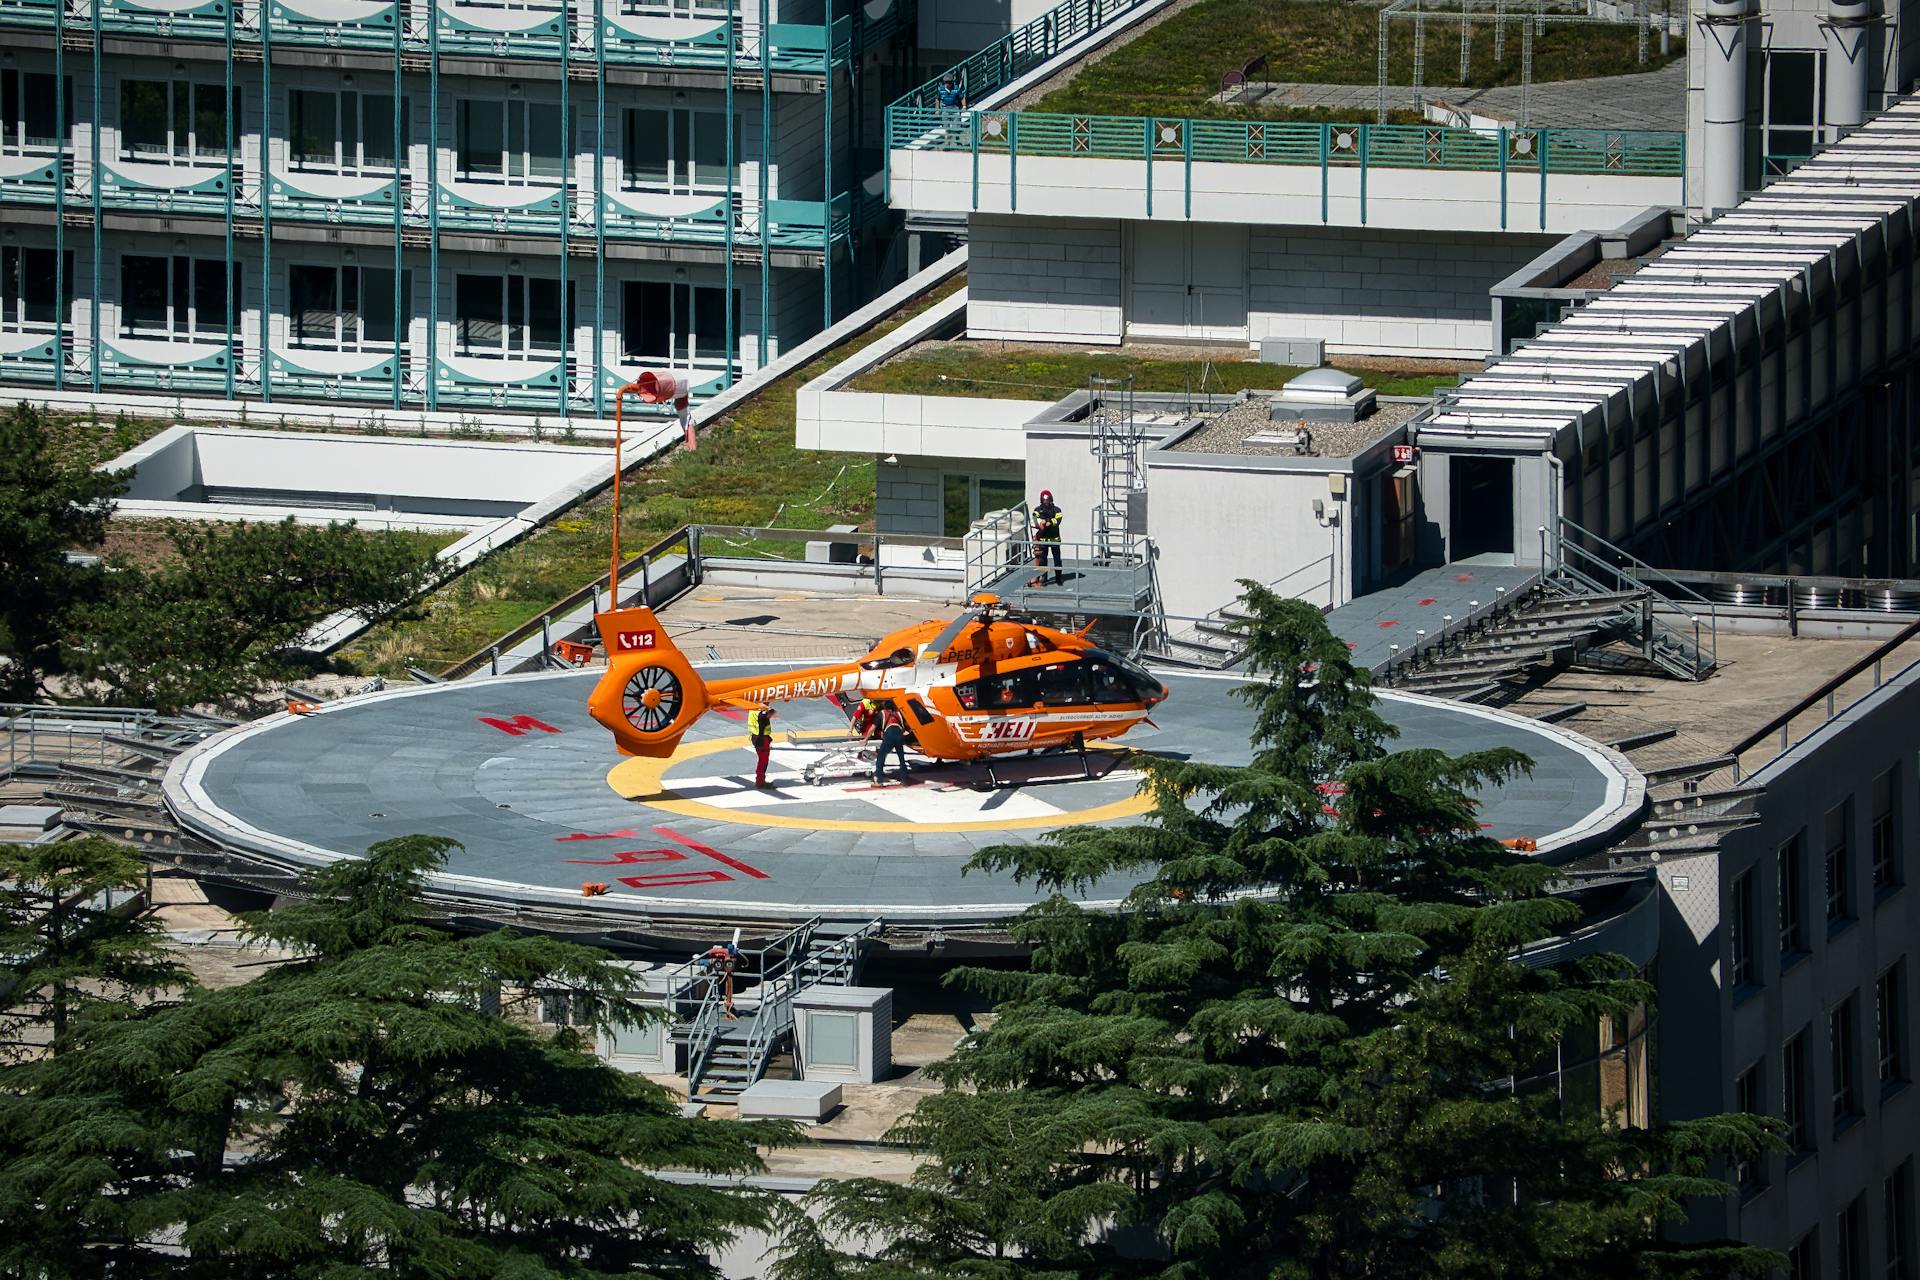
619	452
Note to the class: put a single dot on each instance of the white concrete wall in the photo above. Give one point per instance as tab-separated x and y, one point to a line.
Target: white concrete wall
1217	523
940	426
1273	194
963	26
1055	279
1362	291
1378	292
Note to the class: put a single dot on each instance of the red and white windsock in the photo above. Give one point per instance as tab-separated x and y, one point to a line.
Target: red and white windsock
662	388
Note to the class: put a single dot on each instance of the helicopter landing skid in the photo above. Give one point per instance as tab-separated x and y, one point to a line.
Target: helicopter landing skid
1077	747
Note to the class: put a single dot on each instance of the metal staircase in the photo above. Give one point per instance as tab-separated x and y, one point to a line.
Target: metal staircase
726	1056
1675	627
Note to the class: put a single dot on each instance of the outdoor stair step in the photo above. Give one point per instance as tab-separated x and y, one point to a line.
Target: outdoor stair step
1524	656
1661	774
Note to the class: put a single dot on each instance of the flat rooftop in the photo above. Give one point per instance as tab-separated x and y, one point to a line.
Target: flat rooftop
1249	429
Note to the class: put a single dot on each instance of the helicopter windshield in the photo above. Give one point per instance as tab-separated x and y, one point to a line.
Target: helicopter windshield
1142	685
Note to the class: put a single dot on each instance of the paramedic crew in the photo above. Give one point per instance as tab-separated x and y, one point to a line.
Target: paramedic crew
893	739
1046	539
760	733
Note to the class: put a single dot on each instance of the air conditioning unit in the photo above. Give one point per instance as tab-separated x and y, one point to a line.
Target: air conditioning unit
1302	353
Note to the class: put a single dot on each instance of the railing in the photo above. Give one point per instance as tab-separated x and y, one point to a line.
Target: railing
1572	553
41	737
1454	631
1175	140
685	539
1096	579
537	32
1021	50
1847	687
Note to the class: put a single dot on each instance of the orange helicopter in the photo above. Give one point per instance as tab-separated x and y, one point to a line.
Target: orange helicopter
980	685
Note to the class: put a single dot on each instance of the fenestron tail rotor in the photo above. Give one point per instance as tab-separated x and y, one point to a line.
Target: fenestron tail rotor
650	694
652	699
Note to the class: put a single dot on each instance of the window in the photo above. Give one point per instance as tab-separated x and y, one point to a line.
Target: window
1889	1024
345	308
1793	905
1886	831
510	316
566	1008
1064	684
1741	914
1793	1093
965	499
1803	1259
26	288
342	130
1751	1174
1850	1248
1782	97
512	140
684	8
675	324
1840	1032
27	111
1839	899
177	297
677	149
1898	1190
174	120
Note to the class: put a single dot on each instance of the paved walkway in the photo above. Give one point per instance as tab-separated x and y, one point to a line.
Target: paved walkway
1372	625
1654	100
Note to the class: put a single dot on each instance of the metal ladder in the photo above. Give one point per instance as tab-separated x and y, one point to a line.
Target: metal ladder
1115	437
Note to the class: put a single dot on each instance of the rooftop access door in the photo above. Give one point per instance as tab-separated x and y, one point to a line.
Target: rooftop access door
1187	281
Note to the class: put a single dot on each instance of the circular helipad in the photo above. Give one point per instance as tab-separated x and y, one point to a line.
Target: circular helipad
534	791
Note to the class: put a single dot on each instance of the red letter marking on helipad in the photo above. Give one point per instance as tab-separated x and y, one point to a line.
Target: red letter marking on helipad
518	725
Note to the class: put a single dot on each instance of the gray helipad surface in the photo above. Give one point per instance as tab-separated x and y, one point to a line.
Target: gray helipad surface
514	770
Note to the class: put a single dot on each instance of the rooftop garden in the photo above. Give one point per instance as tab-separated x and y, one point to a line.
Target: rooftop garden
746	472
1176	67
1022	371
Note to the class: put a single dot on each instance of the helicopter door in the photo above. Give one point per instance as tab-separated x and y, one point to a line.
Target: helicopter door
1065	685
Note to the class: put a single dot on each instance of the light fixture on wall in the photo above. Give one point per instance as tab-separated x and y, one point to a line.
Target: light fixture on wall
513	90
513	264
347	81
347	254
679	95
679	273
179	68
892	459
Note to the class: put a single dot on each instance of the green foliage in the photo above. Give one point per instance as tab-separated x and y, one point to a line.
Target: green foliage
1177	66
50	502
65	957
355	1112
747	471
1024	373
214	626
1307	1049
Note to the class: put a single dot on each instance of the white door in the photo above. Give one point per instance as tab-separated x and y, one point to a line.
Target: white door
1187	281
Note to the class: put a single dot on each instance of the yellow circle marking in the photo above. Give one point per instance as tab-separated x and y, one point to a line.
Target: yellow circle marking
644	779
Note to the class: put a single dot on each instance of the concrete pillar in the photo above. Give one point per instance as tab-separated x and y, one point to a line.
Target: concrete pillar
1724	35
1844	33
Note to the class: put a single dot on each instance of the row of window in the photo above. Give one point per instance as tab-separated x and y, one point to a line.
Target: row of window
1840	900
511	140
350	307
1845	1100
1851	1243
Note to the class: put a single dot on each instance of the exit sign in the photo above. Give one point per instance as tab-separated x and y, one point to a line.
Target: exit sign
1403	453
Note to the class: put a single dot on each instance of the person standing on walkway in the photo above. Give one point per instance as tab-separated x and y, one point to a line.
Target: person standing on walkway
1046	539
760	733
893	739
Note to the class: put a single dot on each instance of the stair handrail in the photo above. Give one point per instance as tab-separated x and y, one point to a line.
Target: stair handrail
1633	573
703	1028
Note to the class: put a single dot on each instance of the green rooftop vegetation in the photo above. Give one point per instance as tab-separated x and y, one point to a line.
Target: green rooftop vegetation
1177	66
1022	373
745	472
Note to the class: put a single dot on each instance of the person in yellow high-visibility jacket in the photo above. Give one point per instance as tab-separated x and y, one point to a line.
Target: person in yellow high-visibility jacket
760	733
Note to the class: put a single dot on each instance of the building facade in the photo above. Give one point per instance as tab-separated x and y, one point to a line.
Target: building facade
222	200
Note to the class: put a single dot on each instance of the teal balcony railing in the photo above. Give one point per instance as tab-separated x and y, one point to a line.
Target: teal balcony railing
1413	146
636	34
29	179
303	196
1022	49
144	187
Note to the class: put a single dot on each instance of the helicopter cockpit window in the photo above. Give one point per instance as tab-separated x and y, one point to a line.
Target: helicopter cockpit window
1064	684
898	658
1109	685
1141	681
